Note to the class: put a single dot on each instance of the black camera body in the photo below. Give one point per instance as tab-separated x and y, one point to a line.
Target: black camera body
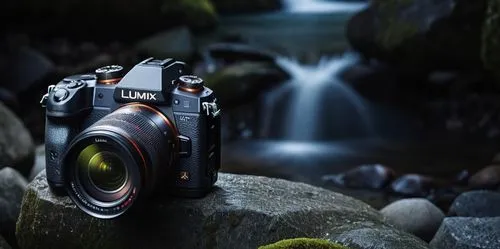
112	135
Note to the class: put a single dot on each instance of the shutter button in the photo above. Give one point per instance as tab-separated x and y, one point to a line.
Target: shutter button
60	95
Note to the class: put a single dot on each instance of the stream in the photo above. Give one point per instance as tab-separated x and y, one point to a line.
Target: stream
304	145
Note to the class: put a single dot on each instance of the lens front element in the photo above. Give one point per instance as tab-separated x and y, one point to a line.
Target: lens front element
104	169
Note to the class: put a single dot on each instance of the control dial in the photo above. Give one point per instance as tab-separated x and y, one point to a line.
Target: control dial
190	83
109	74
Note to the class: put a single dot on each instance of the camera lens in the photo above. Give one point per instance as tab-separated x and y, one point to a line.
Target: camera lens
105	170
119	158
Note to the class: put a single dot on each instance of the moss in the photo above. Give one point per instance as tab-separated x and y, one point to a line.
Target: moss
304	243
393	30
490	53
195	13
395	33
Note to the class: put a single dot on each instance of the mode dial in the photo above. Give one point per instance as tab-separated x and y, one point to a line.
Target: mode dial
109	74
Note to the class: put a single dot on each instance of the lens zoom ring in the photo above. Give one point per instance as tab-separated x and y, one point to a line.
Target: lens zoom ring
140	129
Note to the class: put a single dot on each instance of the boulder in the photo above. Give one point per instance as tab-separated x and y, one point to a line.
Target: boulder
416	216
246	6
486	178
240	83
479	203
468	233
420	34
242	212
12	187
17	148
380	238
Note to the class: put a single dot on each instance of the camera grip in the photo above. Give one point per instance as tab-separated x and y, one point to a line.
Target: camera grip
58	135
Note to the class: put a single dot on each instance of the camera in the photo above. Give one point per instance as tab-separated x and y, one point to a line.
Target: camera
114	137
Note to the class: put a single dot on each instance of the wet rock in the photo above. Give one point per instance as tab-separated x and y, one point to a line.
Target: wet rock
242	82
416	216
16	143
423	34
242	212
4	244
413	185
468	233
12	188
246	6
379	238
481	203
39	162
486	178
375	176
174	43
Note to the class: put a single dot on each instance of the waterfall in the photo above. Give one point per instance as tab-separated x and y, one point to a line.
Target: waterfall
321	6
316	88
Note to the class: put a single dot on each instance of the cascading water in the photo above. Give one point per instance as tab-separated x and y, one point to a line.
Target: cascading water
319	105
321	6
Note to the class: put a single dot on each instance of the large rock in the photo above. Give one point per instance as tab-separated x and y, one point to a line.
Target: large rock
16	144
416	215
242	82
420	34
486	178
468	233
12	187
380	238
242	212
476	204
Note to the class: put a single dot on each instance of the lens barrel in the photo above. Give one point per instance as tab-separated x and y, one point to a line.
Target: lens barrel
121	155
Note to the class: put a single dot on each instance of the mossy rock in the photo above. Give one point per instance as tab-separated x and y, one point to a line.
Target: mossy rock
242	82
491	38
304	243
242	212
423	35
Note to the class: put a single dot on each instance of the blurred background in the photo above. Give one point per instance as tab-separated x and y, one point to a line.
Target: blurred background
375	99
